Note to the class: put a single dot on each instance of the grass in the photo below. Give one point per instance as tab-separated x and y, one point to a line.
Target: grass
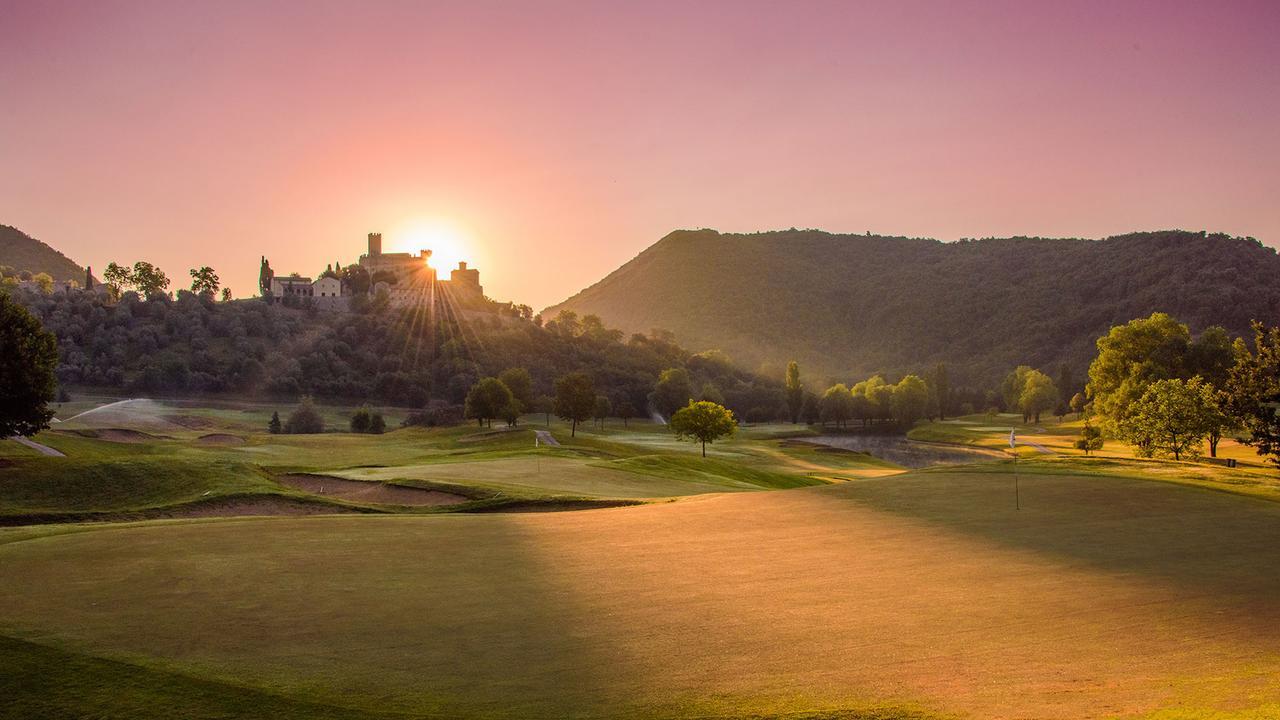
75	485
918	595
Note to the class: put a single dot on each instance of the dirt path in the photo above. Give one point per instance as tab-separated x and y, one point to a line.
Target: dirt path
367	491
42	449
546	438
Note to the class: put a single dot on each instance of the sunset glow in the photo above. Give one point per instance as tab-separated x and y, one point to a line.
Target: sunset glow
570	136
447	240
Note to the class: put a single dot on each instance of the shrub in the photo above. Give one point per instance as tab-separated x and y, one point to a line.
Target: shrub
305	420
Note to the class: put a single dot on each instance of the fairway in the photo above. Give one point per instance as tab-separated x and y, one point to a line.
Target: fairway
918	595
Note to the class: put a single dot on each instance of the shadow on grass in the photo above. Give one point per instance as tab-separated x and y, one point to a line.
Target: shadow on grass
1208	542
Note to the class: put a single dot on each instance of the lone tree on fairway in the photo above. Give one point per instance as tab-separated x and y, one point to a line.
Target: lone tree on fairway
1090	439
488	399
28	356
795	391
703	421
575	399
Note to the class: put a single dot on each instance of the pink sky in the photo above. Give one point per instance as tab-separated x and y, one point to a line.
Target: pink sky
564	138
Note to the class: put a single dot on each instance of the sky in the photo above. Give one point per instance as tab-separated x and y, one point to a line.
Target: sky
548	142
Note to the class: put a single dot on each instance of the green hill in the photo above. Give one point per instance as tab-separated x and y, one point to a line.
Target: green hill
23	252
850	305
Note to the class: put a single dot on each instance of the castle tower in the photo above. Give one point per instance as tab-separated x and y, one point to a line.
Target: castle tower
375	244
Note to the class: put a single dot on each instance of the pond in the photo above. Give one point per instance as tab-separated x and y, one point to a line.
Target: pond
907	453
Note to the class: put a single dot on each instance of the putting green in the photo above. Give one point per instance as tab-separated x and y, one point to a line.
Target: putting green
529	474
1100	597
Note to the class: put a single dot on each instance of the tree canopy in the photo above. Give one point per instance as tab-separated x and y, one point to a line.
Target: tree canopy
575	399
28	357
704	422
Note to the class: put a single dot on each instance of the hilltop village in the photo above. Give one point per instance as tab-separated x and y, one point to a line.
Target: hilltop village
405	279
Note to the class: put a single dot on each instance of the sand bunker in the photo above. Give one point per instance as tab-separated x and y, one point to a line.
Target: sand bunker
220	439
122	435
234	507
371	492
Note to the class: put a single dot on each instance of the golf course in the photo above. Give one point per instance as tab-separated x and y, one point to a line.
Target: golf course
179	561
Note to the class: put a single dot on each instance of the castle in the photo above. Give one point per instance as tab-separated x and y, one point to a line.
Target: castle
404	278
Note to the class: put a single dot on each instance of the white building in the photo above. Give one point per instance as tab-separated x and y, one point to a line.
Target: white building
327	286
282	287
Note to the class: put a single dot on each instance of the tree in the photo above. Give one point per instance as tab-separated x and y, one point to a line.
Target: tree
940	385
204	282
360	420
488	399
1130	358
520	383
836	405
1038	395
625	410
44	280
1011	389
703	421
1253	390
1078	404
377	424
274	427
1172	417
575	399
811	411
711	393
149	279
794	391
305	419
28	358
118	279
1090	439
226	294
602	409
910	401
672	391
1211	358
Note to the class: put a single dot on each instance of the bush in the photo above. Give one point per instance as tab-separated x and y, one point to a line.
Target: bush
366	421
437	415
305	420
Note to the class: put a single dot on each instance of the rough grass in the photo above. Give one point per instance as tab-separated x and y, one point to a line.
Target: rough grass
76	485
1103	596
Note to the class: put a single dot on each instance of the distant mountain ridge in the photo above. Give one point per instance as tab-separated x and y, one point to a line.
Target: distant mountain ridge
23	252
849	305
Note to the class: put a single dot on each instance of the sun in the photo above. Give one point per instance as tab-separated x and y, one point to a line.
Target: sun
446	240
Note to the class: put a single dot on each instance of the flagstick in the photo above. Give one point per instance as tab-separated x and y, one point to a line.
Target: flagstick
1013	447
1017	496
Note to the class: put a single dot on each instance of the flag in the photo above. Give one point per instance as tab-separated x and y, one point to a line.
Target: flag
1013	440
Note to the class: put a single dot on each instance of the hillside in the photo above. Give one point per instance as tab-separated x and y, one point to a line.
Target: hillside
850	305
23	252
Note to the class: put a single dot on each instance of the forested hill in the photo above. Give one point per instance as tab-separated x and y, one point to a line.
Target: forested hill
850	305
23	252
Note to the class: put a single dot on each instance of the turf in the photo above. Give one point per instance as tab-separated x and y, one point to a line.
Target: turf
923	593
77	485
